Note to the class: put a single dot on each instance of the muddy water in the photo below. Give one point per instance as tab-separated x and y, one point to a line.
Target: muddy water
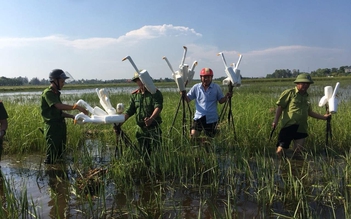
48	189
39	181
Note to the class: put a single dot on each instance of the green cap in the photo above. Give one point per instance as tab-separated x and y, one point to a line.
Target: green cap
303	78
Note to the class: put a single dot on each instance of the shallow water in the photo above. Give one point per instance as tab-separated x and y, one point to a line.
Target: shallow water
38	181
115	90
49	190
47	187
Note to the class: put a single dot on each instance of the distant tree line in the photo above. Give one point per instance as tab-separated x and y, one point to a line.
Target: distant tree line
279	73
18	81
13	81
321	72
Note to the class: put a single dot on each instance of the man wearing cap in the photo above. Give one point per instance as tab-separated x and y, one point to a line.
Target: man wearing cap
147	109
295	107
206	95
55	129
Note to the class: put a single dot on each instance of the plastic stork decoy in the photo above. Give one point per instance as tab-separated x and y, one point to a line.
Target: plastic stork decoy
233	80
144	76
233	75
182	77
330	102
329	99
107	115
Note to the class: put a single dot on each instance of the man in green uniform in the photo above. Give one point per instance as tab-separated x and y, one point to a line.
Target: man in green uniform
55	129
295	106
147	108
3	125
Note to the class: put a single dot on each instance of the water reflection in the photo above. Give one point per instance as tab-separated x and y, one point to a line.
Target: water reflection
45	188
59	191
50	189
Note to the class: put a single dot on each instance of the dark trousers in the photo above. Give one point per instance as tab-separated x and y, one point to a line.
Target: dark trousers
149	138
56	137
200	124
287	134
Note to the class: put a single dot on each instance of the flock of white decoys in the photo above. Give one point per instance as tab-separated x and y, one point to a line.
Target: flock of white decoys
182	77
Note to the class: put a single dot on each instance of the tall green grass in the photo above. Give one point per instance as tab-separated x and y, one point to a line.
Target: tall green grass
220	176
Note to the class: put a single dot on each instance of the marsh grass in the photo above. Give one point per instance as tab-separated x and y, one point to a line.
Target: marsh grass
213	178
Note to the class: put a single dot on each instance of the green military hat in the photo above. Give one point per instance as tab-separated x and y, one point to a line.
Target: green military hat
303	78
136	75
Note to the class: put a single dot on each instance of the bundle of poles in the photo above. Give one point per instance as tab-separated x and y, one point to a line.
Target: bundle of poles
230	118
122	137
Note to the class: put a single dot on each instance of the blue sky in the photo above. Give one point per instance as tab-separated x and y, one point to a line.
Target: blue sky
89	39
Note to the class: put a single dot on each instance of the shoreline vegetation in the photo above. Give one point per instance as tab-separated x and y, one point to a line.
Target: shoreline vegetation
236	168
160	84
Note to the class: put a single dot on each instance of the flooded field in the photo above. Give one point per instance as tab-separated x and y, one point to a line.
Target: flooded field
51	191
223	178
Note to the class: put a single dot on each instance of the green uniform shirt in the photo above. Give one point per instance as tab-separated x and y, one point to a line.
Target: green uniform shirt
295	109
49	98
143	105
3	112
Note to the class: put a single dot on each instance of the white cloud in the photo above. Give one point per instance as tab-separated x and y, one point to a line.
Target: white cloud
101	57
291	49
151	32
134	36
